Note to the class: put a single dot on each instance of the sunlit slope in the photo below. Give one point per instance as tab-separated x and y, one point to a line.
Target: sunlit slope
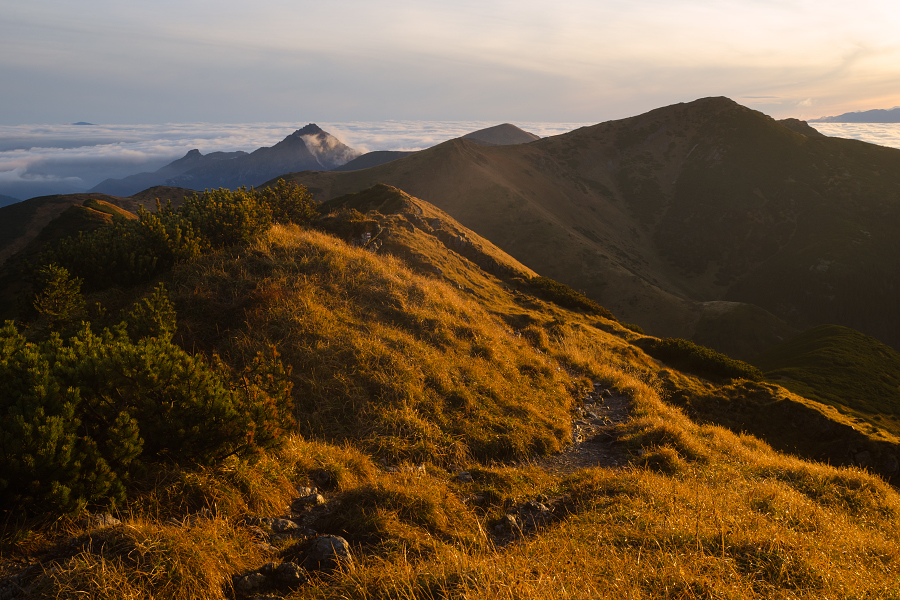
411	363
405	364
20	223
422	220
690	203
789	422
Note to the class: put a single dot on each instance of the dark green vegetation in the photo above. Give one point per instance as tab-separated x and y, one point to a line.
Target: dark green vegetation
687	356
131	251
84	410
841	367
566	296
81	415
656	215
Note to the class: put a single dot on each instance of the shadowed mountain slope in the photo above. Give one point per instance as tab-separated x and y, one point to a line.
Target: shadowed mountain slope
841	367
801	127
499	135
92	214
20	223
133	184
373	159
6	200
656	215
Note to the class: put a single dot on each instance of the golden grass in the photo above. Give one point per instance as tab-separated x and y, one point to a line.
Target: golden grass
746	522
142	559
395	367
402	362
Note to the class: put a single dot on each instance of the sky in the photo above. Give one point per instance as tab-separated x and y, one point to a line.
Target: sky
230	61
160	78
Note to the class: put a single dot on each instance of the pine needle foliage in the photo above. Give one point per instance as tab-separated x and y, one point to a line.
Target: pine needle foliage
132	251
58	295
566	297
82	415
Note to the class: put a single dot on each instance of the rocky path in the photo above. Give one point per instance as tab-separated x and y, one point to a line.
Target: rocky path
594	442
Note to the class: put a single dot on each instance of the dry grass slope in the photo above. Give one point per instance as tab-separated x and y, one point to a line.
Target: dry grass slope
394	366
402	362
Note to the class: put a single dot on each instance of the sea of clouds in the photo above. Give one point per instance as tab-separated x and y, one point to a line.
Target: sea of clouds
37	160
57	159
883	134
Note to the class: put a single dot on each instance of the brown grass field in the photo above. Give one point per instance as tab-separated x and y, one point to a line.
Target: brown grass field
394	368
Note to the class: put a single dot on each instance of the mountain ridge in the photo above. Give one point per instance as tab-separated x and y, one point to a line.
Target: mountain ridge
504	134
654	215
309	147
417	409
878	115
133	184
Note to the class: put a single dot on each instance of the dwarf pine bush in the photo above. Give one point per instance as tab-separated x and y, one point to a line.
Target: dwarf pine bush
565	296
81	415
46	463
693	358
132	251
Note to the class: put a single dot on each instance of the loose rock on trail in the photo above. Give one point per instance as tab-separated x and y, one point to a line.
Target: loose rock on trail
594	440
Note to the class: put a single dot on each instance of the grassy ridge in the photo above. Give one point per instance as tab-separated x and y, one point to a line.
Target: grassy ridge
841	367
401	362
392	365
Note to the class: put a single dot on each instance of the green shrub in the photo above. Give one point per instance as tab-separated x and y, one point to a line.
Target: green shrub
290	203
57	295
81	415
132	251
47	463
152	317
221	217
566	297
688	356
633	327
126	252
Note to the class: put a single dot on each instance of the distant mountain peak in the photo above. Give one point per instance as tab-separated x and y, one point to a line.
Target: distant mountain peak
501	135
878	115
311	129
82	123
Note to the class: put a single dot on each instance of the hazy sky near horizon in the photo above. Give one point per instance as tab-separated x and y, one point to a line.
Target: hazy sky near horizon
230	61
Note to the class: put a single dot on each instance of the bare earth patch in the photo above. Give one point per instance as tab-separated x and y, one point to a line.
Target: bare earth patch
594	440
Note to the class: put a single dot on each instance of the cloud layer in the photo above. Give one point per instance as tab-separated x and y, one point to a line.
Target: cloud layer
883	134
53	159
